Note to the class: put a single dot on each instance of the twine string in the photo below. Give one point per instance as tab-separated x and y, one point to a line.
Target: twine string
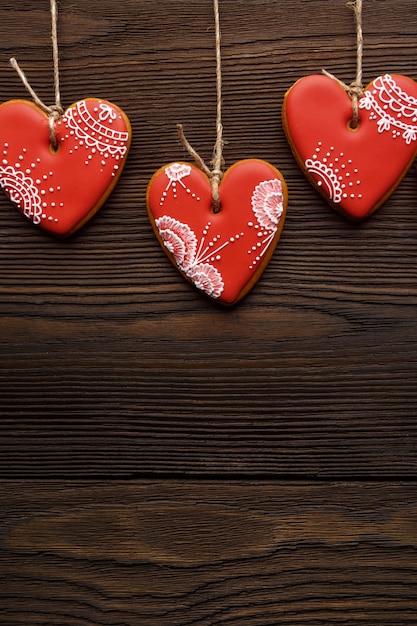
355	89
54	111
216	173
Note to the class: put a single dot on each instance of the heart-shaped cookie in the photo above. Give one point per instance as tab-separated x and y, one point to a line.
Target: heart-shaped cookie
223	253
355	169
59	190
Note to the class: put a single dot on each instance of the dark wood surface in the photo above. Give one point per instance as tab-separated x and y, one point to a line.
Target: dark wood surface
164	461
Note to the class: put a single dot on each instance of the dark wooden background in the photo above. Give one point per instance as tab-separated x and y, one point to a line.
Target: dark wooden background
164	461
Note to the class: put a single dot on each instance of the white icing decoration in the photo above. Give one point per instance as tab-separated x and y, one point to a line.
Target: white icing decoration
175	173
267	206
92	132
182	242
22	191
334	174
267	203
389	105
325	175
179	239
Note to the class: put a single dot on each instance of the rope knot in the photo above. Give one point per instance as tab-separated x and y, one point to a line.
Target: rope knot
355	90
56	111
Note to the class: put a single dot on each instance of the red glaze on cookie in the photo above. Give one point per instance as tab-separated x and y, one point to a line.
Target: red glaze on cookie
355	170
60	190
222	254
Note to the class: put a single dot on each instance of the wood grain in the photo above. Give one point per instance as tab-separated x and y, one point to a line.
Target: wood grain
208	553
111	363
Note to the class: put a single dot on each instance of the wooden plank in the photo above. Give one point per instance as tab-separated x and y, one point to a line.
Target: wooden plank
208	553
111	363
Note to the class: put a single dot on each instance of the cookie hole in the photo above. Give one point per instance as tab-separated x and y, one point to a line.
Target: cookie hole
354	124
54	148
216	208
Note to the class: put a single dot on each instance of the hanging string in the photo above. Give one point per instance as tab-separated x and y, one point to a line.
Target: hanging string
355	89
215	175
55	111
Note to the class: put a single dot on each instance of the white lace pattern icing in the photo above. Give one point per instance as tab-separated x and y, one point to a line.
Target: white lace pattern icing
22	190
92	130
392	108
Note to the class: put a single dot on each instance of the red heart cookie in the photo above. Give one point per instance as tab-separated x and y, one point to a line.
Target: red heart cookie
59	190
222	253
355	169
